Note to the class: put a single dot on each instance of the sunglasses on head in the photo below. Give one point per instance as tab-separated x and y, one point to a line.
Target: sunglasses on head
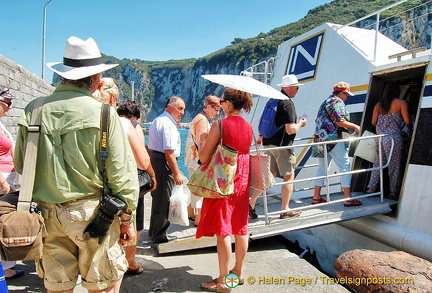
3	90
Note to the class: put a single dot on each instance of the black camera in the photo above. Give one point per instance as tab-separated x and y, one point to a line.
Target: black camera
112	206
109	208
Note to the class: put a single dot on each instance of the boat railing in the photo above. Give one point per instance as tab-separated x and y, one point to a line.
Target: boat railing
328	176
262	71
375	27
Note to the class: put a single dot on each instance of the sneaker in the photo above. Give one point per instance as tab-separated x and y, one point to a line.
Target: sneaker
252	213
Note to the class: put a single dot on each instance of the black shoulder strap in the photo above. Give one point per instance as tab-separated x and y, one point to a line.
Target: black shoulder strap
103	154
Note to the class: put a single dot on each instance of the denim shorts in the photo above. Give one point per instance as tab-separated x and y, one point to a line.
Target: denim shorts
67	252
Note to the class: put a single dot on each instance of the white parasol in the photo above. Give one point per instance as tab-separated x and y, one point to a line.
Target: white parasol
245	84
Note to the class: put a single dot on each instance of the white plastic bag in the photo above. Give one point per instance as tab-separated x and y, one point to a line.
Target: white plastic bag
178	207
366	148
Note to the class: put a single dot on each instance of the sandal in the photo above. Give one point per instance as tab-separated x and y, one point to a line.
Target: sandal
290	214
370	190
252	213
352	203
241	280
136	271
17	274
393	197
214	286
318	200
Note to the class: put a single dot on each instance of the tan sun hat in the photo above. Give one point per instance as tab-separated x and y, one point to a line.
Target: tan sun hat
289	80
343	87
81	59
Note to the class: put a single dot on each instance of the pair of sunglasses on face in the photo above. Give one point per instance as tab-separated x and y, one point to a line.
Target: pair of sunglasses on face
7	102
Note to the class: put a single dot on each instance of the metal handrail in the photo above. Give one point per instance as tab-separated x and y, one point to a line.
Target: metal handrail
328	176
377	14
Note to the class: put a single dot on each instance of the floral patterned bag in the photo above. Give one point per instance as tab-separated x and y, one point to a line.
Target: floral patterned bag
215	178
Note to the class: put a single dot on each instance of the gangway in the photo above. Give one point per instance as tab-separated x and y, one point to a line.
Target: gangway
268	222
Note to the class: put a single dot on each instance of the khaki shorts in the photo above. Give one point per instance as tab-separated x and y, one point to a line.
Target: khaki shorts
66	252
282	162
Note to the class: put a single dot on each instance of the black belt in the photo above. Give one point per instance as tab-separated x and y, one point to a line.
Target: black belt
156	152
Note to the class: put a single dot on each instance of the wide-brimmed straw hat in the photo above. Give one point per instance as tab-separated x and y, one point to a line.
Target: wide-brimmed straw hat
343	87
81	59
289	80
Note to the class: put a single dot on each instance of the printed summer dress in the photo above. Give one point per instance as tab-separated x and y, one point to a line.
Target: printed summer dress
389	124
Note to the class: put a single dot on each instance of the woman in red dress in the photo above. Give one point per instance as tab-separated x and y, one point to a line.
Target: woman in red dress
229	216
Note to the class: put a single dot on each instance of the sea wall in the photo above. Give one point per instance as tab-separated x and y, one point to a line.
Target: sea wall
23	84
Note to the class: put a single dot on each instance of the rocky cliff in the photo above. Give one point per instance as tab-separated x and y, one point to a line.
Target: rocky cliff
155	82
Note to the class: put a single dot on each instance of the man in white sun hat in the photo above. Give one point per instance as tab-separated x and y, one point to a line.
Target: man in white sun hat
282	162
68	181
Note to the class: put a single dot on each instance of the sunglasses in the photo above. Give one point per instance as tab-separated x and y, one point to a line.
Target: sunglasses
6	102
223	101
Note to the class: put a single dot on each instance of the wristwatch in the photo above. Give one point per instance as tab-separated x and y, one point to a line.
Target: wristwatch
127	222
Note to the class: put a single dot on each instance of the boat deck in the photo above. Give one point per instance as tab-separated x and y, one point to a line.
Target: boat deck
312	216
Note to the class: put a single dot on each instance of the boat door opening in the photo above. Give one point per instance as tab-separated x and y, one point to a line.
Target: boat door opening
411	83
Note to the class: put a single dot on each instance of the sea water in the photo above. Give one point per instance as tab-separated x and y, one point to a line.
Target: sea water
183	134
180	161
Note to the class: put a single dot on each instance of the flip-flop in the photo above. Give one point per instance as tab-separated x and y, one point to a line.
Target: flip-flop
290	214
214	286
241	280
136	271
317	201
18	273
352	203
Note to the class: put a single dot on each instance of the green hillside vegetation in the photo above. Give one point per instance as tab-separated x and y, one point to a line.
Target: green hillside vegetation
266	44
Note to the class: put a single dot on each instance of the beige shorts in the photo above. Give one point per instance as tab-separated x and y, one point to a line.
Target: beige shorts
67	253
282	162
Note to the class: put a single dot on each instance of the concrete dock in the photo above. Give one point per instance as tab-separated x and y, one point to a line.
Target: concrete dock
269	267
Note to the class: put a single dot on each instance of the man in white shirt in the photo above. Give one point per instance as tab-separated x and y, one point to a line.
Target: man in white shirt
165	147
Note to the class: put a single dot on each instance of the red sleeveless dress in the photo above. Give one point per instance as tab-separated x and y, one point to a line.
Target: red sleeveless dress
229	216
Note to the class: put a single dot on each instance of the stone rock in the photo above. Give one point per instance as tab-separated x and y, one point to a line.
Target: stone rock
376	271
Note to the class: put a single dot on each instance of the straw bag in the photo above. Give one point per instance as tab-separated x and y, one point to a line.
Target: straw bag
260	176
21	228
215	178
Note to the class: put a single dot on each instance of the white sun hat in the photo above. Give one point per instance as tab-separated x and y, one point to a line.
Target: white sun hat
81	59
289	80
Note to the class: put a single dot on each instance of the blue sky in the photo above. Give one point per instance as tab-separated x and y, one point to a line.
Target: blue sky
154	30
